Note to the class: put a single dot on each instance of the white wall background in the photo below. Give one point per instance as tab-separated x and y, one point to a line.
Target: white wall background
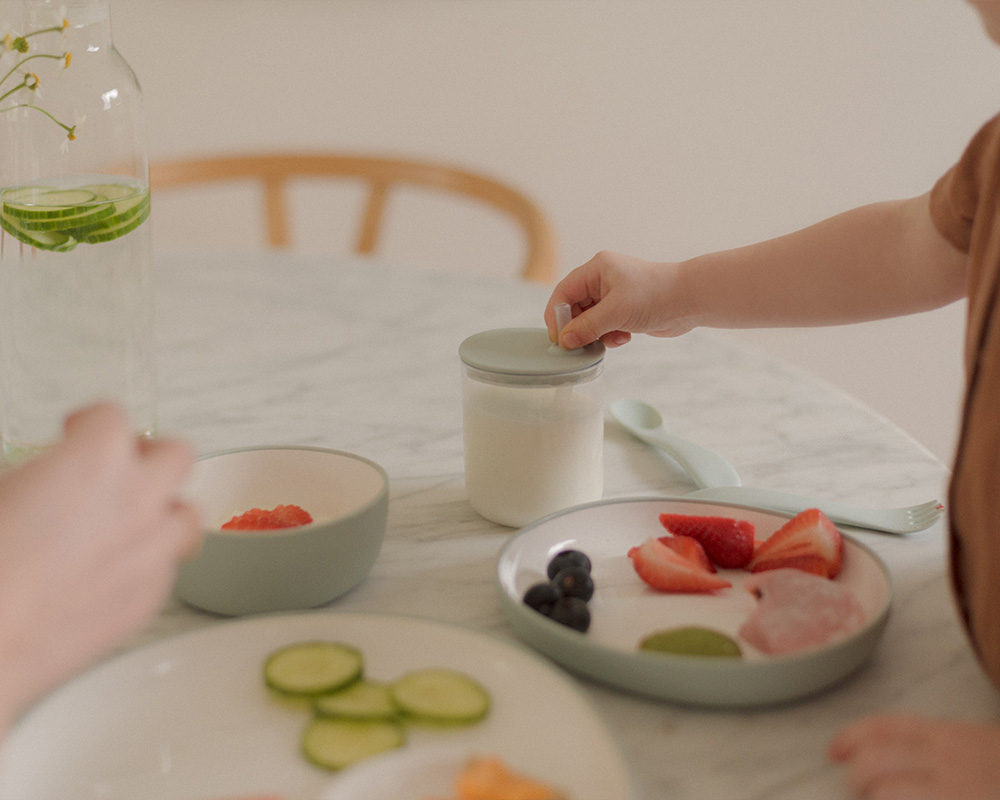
663	128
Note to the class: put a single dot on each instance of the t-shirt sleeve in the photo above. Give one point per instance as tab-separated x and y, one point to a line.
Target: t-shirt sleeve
955	196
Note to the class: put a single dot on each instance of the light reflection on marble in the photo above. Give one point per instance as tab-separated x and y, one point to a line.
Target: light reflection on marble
362	357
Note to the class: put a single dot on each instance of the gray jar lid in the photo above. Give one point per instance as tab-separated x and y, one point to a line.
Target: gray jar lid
526	351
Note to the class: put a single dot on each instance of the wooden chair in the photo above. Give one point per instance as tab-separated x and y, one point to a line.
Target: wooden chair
275	171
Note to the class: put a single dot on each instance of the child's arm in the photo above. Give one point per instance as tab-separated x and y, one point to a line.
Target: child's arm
875	261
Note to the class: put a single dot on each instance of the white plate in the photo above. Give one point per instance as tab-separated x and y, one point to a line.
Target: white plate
624	610
411	773
188	718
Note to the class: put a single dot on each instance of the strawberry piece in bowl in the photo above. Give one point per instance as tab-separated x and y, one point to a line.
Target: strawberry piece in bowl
666	570
809	542
261	519
728	542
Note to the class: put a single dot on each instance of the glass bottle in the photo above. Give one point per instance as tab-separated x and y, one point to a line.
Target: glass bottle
533	424
76	283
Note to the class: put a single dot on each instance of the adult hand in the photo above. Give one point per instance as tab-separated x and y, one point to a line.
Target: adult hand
91	533
909	758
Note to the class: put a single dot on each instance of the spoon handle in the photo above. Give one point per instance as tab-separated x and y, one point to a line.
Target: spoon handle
706	467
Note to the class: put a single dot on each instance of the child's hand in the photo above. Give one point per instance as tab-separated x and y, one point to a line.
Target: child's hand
909	758
91	533
614	296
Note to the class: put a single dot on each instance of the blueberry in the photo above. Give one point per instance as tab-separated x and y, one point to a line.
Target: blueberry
574	582
572	612
542	597
567	558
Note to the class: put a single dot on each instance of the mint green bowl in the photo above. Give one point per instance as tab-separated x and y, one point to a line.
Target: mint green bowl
252	572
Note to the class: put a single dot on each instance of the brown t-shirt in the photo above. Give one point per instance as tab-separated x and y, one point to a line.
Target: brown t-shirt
965	207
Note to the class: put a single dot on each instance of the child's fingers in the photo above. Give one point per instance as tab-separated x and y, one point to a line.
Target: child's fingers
868	731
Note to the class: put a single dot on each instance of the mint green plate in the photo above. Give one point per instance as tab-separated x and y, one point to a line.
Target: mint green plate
624	610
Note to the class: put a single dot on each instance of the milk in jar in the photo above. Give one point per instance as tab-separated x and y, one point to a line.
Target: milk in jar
533	425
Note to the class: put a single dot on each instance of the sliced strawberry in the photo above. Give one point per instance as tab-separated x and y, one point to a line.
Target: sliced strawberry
728	542
809	542
668	571
259	519
690	549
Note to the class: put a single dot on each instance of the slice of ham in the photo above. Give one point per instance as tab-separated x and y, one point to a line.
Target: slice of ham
797	611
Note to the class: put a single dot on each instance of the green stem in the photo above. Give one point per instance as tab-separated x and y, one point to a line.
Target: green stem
5	95
26	59
70	130
53	29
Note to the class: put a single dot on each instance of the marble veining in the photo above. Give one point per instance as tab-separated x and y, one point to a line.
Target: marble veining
275	349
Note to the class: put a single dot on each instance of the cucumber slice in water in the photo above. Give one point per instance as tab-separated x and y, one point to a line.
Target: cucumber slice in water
337	743
113	191
95	213
87	215
120	224
313	668
441	696
43	240
47	203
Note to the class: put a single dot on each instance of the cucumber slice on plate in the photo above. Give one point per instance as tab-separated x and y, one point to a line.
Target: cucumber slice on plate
363	699
313	668
441	696
337	743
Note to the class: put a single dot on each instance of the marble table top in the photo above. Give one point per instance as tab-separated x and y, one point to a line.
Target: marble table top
278	349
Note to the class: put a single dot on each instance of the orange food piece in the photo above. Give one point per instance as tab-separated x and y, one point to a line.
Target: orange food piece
488	778
259	519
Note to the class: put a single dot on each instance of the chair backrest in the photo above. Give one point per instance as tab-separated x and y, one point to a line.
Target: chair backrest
274	171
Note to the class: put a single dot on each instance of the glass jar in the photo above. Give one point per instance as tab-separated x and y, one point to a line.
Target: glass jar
76	283
533	424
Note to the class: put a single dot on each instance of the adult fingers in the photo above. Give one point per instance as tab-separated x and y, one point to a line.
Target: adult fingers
187	529
103	429
165	462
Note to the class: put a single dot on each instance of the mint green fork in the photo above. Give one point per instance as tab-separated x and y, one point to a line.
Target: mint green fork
908	519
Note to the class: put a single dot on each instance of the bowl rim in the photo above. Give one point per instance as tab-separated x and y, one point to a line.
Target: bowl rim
298	529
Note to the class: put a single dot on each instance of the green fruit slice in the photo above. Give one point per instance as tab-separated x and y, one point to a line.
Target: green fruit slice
87	215
124	222
45	203
692	641
363	699
337	743
96	213
313	668
441	696
43	240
